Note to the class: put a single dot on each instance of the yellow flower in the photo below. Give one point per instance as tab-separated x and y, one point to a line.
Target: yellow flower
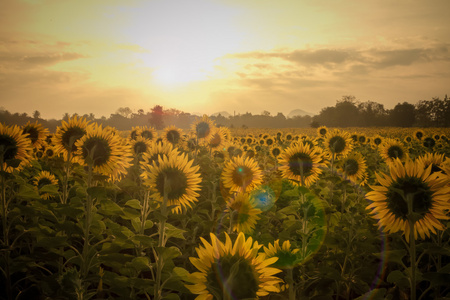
338	143
354	168
301	164
175	176
392	149
241	174
243	213
429	195
172	135
203	129
235	271
42	179
322	131
287	258
15	148
105	152
36	133
66	136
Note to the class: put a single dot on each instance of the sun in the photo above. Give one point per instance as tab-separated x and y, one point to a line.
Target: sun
179	74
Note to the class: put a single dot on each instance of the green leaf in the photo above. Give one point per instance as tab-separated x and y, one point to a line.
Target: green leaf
148	224
49	188
140	263
398	278
145	240
168	253
172	231
98	192
171	296
437	279
395	256
134	203
109	207
51	242
375	294
27	191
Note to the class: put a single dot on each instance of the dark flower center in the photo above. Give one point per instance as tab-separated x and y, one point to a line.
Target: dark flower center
395	152
419	135
351	166
202	129
215	141
8	147
377	141
70	136
429	142
139	147
337	144
323	131
232	277
33	133
242	176
44	181
300	162
98	149
175	182
147	134
276	152
173	136
422	197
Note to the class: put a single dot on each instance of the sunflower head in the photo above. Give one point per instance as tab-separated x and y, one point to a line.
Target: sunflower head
139	146
243	213
409	192
42	179
172	134
15	148
68	134
338	143
217	139
36	133
275	151
236	271
354	168
418	134
392	149
241	174
176	178
149	133
322	131
429	142
203	128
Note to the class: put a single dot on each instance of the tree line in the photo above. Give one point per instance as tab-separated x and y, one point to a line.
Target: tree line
348	112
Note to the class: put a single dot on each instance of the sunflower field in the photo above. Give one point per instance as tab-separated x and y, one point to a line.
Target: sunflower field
90	212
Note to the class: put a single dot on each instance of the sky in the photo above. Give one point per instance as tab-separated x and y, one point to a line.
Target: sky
207	56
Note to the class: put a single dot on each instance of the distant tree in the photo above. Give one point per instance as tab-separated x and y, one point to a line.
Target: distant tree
36	114
372	114
124	111
66	117
265	113
403	115
156	117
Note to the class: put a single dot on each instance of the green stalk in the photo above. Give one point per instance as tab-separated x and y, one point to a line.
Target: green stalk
290	281
6	236
412	245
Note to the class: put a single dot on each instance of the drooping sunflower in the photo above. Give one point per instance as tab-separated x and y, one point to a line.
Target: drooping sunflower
106	153
36	133
301	164
218	263
241	174
338	143
178	177
42	179
392	149
243	213
173	135
354	168
67	135
15	148
287	257
203	128
409	182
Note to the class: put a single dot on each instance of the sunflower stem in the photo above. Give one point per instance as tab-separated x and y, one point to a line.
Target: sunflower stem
290	281
6	245
412	245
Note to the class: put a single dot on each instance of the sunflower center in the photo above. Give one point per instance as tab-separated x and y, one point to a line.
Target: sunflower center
242	176
173	136
147	134
377	141
139	147
232	277
33	134
422	196
43	181
8	147
70	136
215	141
323	131
202	129
351	166
276	152
175	182
98	149
429	142
337	144
395	152
300	164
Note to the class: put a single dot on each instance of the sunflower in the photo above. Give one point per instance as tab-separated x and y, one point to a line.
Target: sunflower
392	149
301	164
148	133
409	182
287	258
418	134
241	174
203	128
135	132
243	213
275	151
217	139
175	175
36	133
230	271
15	148
376	141
338	143
139	146
354	168
105	152
67	135
42	179
322	131
227	132
154	152
429	142
172	135
435	160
